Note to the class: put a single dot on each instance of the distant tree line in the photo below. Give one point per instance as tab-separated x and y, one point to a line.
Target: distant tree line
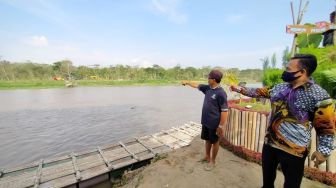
66	70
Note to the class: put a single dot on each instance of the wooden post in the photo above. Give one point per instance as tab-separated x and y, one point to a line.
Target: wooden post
243	129
312	147
239	128
236	128
74	164
254	125
230	126
246	129
38	174
257	133
331	162
263	123
250	124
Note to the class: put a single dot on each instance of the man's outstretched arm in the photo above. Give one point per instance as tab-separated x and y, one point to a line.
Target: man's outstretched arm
190	83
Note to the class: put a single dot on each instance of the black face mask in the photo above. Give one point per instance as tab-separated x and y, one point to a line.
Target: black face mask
289	76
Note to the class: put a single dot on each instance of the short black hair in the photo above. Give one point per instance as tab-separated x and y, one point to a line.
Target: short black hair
307	62
332	14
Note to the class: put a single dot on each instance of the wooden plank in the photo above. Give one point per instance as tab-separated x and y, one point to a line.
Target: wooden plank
183	131
115	154
144	145
54	171
192	132
38	174
137	148
21	167
151	142
74	164
101	153
123	164
57	159
93	172
162	142
131	153
59	182
169	140
191	127
187	142
18	182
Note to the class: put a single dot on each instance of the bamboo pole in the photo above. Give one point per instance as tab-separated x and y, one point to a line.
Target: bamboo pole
243	129
312	147
257	137
235	125
239	127
254	125
263	124
246	129
250	124
331	161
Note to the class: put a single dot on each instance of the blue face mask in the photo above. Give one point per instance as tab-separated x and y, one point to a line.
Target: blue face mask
289	76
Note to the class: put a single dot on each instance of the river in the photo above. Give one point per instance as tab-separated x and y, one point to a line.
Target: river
44	123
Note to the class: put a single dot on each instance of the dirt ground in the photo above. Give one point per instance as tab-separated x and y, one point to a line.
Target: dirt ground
181	168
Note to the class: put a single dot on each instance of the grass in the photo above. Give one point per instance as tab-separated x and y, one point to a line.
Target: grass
257	106
39	84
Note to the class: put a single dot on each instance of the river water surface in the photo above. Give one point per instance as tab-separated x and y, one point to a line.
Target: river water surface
43	123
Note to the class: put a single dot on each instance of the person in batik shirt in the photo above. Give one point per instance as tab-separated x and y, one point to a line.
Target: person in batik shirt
298	105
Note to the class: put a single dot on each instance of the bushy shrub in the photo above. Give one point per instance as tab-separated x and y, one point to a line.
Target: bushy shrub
272	77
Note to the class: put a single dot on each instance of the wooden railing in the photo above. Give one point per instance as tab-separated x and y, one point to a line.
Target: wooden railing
247	129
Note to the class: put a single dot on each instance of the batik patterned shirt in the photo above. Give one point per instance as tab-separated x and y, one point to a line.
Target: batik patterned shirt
295	111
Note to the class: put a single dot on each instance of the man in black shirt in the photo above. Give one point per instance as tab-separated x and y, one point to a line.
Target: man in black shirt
214	115
328	36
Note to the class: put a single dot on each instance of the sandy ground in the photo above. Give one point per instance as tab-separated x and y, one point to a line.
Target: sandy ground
182	169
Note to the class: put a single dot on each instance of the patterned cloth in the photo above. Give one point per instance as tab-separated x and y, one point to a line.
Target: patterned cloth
294	113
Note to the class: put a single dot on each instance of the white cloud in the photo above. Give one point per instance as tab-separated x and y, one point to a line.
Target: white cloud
234	18
37	41
169	8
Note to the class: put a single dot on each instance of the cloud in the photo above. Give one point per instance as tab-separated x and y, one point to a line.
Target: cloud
169	8
234	18
37	41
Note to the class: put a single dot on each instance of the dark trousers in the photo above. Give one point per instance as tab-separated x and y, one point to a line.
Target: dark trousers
292	167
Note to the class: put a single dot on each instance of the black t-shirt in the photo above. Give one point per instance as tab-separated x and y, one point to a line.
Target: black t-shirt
215	102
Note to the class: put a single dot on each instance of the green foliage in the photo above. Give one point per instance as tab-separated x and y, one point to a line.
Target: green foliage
286	55
309	40
42	75
325	74
272	77
306	40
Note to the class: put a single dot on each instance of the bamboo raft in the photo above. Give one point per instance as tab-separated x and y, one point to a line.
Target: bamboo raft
87	168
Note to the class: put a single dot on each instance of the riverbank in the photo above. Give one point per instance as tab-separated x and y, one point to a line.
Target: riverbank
182	169
41	84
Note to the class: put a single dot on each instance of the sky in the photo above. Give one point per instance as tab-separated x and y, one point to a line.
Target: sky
230	34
